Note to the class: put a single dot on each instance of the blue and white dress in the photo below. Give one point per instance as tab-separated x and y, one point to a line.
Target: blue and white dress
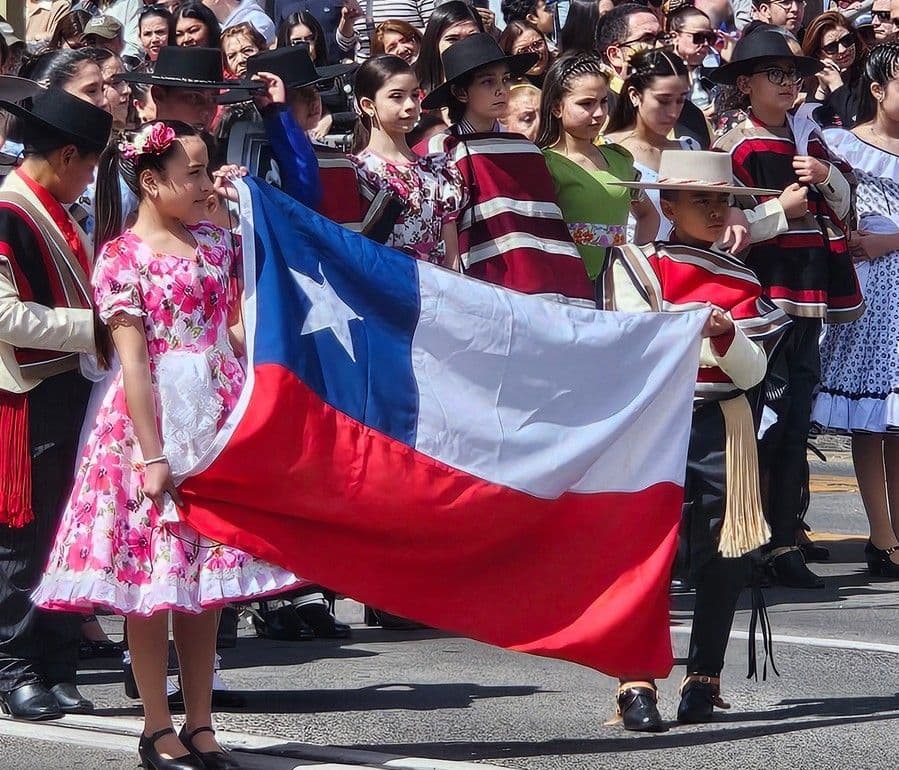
859	390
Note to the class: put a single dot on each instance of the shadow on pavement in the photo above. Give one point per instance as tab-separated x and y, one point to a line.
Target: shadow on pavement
835	712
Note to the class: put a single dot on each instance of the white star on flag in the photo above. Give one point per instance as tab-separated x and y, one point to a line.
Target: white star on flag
327	310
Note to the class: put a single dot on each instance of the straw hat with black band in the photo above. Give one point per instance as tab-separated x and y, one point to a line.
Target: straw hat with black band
764	46
191	68
293	65
57	112
468	56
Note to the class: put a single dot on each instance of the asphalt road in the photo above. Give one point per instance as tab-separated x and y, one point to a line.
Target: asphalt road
423	694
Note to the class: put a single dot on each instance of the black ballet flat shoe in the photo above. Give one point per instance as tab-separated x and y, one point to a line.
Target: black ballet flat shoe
788	568
323	624
70	700
699	697
638	707
31	702
879	562
91	649
212	760
221	699
153	760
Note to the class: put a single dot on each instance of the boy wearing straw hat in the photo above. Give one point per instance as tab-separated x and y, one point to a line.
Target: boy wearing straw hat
722	515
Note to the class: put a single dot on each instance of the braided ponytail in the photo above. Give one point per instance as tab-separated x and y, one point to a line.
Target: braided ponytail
559	79
880	66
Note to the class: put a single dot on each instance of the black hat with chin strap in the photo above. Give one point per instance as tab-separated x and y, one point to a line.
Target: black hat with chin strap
469	55
764	46
57	112
193	68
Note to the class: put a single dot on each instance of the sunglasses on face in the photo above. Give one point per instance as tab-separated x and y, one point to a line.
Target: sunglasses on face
846	42
882	16
780	77
702	38
649	40
787	4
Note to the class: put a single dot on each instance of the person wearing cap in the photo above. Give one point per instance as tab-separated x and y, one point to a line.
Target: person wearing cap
46	322
105	32
511	230
806	270
722	520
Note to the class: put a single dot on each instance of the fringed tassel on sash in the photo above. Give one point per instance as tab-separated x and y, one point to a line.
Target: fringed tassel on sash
15	461
744	528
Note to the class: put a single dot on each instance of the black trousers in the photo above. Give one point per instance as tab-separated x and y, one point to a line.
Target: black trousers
37	645
718	581
789	390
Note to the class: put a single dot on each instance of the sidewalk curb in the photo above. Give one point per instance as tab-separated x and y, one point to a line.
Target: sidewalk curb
122	733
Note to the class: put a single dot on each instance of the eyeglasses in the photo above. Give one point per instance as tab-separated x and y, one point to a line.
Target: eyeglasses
787	4
881	16
308	40
780	77
702	38
538	46
846	42
649	40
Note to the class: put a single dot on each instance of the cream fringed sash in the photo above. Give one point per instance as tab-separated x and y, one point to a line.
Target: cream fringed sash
745	527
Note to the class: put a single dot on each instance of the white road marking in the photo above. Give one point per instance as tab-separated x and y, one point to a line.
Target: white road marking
808	641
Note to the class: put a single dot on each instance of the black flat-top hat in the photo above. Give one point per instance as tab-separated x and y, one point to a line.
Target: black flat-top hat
471	54
55	111
194	68
293	65
763	46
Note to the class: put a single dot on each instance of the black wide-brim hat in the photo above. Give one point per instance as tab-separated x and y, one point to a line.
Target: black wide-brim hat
762	47
15	89
193	68
58	113
293	65
469	55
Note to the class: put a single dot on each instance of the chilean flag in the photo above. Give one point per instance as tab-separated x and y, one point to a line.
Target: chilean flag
502	466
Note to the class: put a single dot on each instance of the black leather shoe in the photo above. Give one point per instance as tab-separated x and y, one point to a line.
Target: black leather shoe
31	701
638	709
699	696
212	760
282	624
152	760
788	569
90	649
879	562
322	622
70	700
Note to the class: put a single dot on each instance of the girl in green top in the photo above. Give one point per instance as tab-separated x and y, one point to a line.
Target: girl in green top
573	109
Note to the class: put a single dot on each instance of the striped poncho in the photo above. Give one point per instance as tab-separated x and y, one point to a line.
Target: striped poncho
807	270
511	232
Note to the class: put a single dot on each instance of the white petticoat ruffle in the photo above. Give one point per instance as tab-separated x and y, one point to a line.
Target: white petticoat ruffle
841	414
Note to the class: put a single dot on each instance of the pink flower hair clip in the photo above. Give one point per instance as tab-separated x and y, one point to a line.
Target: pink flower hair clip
153	139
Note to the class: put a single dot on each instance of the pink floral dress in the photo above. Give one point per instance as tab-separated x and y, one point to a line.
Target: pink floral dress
433	192
114	548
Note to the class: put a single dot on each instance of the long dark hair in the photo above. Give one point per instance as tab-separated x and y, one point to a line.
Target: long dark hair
196	10
646	66
429	67
318	34
579	32
559	78
113	167
370	78
880	66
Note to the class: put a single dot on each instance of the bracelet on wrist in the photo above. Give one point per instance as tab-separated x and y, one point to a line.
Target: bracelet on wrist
157	460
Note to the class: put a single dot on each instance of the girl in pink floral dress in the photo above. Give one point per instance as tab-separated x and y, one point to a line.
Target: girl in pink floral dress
430	187
167	290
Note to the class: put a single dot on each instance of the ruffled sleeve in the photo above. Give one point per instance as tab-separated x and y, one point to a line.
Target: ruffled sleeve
451	191
116	281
